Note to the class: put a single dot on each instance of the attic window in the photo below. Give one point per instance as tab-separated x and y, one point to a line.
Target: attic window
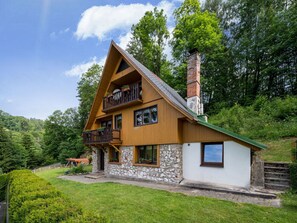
123	66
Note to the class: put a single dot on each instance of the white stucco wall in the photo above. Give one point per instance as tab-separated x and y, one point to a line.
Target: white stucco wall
236	170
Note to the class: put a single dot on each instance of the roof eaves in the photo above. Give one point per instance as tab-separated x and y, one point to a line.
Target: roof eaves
232	134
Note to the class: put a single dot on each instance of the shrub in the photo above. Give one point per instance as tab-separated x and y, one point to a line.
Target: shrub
294	154
76	170
293	175
86	218
32	199
3	183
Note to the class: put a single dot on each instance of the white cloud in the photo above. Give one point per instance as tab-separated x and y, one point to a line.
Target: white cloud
124	40
9	100
99	21
79	69
54	35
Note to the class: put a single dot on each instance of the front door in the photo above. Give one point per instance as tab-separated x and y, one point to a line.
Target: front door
101	159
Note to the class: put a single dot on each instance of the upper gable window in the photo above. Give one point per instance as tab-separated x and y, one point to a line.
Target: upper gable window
123	66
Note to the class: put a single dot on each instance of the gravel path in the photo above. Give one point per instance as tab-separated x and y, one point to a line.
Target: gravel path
181	189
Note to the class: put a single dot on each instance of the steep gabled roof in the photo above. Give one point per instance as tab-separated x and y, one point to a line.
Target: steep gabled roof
168	93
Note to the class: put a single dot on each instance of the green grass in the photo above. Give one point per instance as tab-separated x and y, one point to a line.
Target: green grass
125	203
278	150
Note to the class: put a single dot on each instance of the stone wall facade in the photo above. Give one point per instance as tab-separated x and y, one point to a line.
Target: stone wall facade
170	170
95	160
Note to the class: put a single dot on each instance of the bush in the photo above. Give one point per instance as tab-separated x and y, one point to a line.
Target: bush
294	154
32	199
293	175
3	184
76	170
264	119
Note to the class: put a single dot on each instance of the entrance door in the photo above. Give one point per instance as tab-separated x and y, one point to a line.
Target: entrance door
101	159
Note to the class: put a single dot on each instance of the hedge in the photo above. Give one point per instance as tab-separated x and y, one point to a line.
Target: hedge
293	175
3	183
32	199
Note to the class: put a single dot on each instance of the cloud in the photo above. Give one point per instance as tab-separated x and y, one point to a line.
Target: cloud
78	69
100	21
54	35
124	40
9	100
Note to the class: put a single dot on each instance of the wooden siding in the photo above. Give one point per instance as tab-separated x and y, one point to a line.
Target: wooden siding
199	133
166	131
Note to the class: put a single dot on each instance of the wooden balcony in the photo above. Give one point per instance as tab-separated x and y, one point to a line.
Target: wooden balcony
102	136
130	95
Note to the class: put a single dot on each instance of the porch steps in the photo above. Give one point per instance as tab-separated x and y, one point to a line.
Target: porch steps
95	175
276	176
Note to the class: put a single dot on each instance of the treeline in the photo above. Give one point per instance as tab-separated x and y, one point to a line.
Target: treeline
248	48
21	142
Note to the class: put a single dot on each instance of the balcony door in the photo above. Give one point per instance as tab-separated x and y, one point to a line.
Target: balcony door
107	123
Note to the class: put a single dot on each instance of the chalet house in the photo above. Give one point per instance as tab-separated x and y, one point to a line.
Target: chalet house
140	128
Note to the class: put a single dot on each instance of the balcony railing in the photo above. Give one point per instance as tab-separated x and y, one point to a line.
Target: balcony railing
102	136
132	93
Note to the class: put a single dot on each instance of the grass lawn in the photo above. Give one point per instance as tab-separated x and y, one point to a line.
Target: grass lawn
125	203
278	150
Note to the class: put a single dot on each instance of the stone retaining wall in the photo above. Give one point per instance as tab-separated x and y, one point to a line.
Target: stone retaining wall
170	170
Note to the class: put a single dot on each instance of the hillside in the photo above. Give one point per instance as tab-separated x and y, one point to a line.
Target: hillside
272	122
25	138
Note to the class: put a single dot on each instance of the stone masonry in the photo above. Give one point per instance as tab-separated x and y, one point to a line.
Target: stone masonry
95	160
170	170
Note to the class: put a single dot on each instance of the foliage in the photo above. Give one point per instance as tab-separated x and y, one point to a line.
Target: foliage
32	199
11	155
86	89
26	135
264	119
148	41
293	175
3	184
294	153
77	169
127	203
62	137
195	30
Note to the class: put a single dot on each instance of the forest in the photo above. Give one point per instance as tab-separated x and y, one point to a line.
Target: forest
248	68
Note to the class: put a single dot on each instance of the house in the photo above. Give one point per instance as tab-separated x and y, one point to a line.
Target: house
140	128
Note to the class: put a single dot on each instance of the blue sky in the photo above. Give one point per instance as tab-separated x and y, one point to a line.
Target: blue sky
46	44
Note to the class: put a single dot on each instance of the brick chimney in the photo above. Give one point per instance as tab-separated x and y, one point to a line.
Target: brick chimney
193	83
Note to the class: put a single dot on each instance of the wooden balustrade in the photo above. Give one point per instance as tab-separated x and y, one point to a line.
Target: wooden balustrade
102	136
124	96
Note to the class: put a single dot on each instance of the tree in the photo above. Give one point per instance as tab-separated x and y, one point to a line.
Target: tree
86	89
63	135
194	30
11	156
148	41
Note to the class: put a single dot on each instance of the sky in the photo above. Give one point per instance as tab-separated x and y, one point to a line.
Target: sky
45	45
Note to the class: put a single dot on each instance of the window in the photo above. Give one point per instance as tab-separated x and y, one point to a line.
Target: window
146	155
106	124
118	122
146	116
114	155
123	66
212	154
